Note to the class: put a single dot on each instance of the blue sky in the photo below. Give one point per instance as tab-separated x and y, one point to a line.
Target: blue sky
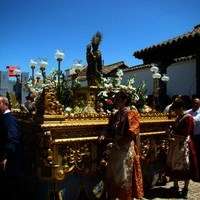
33	29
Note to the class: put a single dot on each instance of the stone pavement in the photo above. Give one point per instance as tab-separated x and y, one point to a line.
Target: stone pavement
163	192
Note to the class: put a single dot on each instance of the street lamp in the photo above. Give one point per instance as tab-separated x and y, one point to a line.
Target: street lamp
43	64
59	56
156	76
38	75
33	64
17	74
165	78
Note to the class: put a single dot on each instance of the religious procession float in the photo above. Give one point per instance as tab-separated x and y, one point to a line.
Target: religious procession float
64	159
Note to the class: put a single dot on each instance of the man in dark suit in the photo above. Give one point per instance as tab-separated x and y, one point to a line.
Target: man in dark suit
10	153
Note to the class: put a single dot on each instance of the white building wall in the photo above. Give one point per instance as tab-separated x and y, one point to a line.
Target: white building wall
7	85
4	85
11	86
140	76
182	78
24	79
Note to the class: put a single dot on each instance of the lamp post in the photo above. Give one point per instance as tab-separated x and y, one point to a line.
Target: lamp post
33	64
17	74
38	75
43	64
74	72
59	56
156	76
165	78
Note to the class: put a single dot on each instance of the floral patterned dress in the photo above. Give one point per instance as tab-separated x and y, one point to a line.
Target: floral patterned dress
124	174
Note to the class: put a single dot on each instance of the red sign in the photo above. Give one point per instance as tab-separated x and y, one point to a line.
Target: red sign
11	70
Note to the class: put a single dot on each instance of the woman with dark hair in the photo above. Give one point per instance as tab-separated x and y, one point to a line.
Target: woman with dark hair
181	159
124	174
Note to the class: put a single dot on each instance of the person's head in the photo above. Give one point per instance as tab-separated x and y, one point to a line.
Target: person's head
122	99
175	97
195	104
4	104
178	106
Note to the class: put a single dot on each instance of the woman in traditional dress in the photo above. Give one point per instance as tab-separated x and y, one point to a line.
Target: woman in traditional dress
181	159
124	175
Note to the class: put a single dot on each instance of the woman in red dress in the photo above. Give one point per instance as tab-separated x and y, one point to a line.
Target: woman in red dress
181	159
124	175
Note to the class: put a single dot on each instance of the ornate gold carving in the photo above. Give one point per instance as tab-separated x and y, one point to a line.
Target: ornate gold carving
152	144
64	155
75	156
46	150
47	103
69	143
81	139
85	100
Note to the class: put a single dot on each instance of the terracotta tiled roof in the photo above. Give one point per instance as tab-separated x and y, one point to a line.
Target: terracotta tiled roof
190	36
148	66
106	69
184	58
137	67
109	68
83	71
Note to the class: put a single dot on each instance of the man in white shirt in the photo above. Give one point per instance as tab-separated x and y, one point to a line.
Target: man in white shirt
195	110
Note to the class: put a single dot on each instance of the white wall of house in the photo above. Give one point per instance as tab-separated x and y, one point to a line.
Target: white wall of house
24	79
69	72
4	84
140	75
182	78
11	86
7	85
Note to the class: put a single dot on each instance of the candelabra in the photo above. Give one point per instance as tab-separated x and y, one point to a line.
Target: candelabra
17	74
33	64
59	56
156	77
43	65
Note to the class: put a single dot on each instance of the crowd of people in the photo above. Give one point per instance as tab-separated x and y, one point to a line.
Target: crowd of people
29	103
124	178
182	159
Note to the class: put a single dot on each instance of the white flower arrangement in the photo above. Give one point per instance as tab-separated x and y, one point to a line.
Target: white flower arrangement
113	85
